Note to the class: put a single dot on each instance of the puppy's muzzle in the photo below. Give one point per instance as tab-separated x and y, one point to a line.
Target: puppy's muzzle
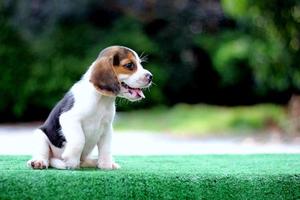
148	77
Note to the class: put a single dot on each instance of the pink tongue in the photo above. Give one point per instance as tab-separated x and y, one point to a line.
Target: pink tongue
139	92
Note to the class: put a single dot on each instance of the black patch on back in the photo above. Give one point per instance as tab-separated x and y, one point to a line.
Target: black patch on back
52	127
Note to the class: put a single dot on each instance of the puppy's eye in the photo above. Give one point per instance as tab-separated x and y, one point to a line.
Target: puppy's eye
129	66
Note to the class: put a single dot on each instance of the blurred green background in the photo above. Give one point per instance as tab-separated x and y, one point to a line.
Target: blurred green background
206	56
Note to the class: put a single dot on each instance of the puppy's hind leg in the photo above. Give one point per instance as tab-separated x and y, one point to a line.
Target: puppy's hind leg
40	156
89	163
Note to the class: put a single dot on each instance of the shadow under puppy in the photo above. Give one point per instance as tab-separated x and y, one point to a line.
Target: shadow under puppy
83	118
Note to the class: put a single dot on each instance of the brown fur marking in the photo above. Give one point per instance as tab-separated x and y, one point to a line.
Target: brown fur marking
104	78
104	74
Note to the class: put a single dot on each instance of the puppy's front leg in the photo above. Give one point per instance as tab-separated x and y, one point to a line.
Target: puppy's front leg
75	140
105	160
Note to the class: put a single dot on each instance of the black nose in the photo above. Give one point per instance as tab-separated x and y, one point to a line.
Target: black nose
149	77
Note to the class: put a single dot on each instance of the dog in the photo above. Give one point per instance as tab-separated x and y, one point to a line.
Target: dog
84	116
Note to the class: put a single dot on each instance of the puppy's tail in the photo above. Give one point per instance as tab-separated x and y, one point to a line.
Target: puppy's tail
57	163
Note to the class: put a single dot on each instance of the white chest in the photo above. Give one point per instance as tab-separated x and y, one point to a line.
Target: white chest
95	124
95	112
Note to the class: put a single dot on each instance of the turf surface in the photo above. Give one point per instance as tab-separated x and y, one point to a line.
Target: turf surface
159	177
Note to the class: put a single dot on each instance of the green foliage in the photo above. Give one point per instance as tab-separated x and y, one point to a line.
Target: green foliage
60	58
193	58
233	48
235	8
203	119
266	41
60	62
15	62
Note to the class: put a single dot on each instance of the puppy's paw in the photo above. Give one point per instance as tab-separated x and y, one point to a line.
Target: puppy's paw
115	166
72	163
38	164
108	166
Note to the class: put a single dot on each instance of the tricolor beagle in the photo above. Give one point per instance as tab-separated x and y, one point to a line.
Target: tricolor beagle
83	118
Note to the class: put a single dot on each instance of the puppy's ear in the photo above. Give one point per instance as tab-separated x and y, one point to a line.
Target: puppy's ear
116	60
104	77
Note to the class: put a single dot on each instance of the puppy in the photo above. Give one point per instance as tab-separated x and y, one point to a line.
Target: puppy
84	117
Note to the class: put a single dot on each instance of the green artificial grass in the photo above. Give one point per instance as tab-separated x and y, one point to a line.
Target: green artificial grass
159	177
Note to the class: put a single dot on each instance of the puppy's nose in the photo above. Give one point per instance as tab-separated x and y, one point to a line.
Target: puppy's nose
149	77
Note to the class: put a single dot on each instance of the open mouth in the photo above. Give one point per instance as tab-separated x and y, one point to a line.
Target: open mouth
137	92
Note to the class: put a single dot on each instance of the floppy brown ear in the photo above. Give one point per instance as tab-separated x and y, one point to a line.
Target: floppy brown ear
104	78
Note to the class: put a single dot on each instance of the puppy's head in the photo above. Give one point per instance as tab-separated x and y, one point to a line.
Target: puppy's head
118	72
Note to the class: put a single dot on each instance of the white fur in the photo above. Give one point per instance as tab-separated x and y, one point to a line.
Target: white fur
87	124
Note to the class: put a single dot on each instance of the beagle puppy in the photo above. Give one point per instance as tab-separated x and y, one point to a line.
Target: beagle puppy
84	117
